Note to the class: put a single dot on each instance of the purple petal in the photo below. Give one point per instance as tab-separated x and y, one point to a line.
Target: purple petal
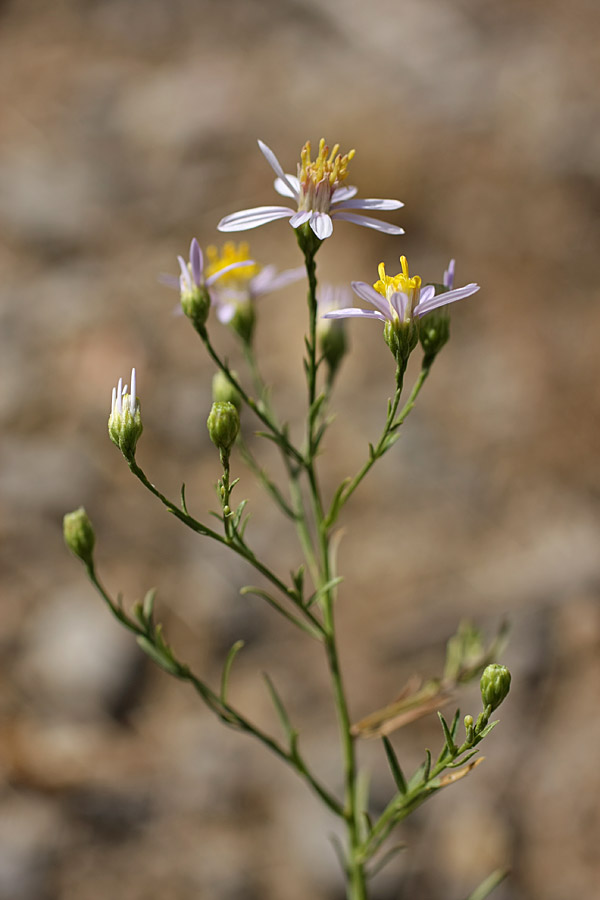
275	165
371	203
399	302
344	193
252	218
370	295
171	281
197	261
353	312
185	273
368	222
449	275
236	265
268	280
426	294
442	299
225	312
300	218
283	187
322	225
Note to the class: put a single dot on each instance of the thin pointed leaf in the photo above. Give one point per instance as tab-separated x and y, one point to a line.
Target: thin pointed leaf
385	859
486	887
395	768
450	745
157	656
324	589
462	760
183	500
235	649
336	503
427	766
485	731
454	725
280	710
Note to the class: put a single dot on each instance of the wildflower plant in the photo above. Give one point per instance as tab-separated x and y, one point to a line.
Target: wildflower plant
228	282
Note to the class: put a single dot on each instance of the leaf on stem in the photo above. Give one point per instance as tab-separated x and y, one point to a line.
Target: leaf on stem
324	589
486	887
451	777
183	500
385	859
395	768
235	649
281	711
450	745
336	503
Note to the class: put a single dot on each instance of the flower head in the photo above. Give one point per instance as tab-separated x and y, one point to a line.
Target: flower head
400	298
125	420
319	193
239	280
194	286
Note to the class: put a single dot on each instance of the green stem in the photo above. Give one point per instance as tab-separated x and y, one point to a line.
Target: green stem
392	424
312	627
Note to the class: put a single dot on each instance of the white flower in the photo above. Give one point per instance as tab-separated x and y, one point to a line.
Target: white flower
319	194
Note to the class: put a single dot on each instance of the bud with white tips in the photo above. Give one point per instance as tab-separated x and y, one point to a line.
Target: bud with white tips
125	420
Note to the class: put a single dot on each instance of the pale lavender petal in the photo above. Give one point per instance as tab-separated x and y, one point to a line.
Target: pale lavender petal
252	218
300	218
344	193
196	261
353	312
119	396
399	302
113	401
226	312
322	225
171	281
185	273
449	275
367	221
426	294
370	203
271	281
236	265
132	396
288	188
442	299
368	293
275	165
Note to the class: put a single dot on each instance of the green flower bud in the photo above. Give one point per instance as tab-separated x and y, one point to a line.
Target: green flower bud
332	343
125	420
401	338
495	685
434	329
79	535
224	392
223	425
243	320
195	302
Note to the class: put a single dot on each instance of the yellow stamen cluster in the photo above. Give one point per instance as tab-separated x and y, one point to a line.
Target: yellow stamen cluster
231	253
331	166
388	284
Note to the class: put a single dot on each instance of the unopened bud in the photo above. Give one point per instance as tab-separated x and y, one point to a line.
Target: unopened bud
125	420
495	685
79	535
243	320
224	392
401	338
195	302
223	425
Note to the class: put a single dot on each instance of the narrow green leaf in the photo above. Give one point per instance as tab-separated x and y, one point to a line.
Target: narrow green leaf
385	859
148	606
394	765
235	649
460	762
427	766
454	725
486	887
485	731
324	589
157	655
450	745
280	709
183	500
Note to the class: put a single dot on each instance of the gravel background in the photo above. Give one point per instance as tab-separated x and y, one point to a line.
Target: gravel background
127	127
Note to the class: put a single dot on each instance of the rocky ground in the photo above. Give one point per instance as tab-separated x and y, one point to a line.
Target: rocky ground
128	127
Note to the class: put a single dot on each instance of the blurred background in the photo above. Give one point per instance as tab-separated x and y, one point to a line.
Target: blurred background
127	127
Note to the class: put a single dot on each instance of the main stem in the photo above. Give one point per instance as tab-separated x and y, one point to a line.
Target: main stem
356	887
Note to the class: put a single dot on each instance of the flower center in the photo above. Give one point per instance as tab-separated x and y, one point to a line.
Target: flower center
320	177
390	284
231	253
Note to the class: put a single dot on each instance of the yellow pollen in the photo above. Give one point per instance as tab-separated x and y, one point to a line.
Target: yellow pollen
332	166
388	284
231	253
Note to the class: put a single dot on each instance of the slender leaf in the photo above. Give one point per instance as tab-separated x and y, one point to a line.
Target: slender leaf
280	709
395	768
235	649
486	887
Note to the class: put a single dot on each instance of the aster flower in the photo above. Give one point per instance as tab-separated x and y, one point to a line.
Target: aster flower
125	420
319	193
238	280
400	298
